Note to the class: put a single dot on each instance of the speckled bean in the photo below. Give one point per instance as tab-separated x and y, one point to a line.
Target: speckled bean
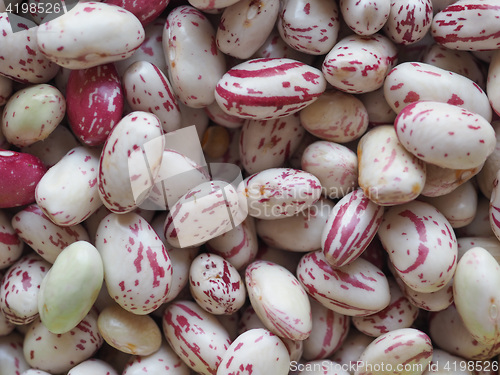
145	11
196	336
352	347
11	246
189	45
248	89
365	17
359	64
279	300
268	144
218	116
489	170
147	89
421	244
68	193
20	288
257	350
403	86
462	140
311	27
11	354
216	285
357	289
42	235
211	5
441	181
93	367
245	25
141	283
493	81
443	361
336	116
279	192
494	206
489	243
335	165
350	228
388	173
408	21
65	41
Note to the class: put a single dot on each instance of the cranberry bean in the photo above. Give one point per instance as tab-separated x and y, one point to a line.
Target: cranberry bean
403	86
467	25
481	225
322	367
11	246
20	289
276	47
67	42
11	354
284	258
365	17
93	367
309	27
335	165
19	175
189	46
268	144
145	11
279	300
211	5
256	350
352	347
408	21
357	289
443	361
388	173
336	116
379	111
141	283
441	181
6	326
95	103
421	245
488	243
351	226
6	88
147	89
216	285
196	336
248	90
487	175
493	82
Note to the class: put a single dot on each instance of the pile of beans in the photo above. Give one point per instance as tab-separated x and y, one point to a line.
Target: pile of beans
342	214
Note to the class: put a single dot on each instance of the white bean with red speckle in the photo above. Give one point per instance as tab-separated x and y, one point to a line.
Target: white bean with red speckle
218	116
24	62
350	228
489	170
399	314
329	331
34	372
352	347
57	353
421	245
440	364
20	287
301	232
268	144
489	243
275	46
255	351
445	135
42	235
336	116
141	283
357	289
211	5
266	89
122	167
216	285
164	360
11	246
410	82
6	88
196	336
66	41
148	89
189	46
494	207
468	25
408	350
93	367
245	26
493	82
279	192
476	294
379	111
388	173
68	193
365	17
279	300
335	165
11	354
408	21
359	64
441	181
308	26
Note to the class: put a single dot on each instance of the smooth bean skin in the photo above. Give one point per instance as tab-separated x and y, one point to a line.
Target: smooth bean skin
463	139
11	246
357	289
493	81
388	174
441	181
401	346
489	170
80	269
67	42
441	361
494	207
279	300
196	336
352	347
489	243
128	332
421	245
261	352
11	354
145	11
365	17
93	367
408	21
